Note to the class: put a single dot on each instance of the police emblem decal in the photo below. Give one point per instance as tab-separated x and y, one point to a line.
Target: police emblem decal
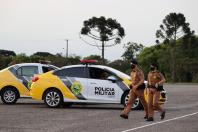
76	88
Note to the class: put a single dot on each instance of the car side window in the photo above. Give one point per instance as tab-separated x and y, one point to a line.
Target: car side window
97	73
29	71
72	72
47	68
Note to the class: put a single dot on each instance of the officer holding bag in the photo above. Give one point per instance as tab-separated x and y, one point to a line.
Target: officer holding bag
155	85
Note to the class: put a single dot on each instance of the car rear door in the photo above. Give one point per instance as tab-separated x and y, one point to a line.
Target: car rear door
75	79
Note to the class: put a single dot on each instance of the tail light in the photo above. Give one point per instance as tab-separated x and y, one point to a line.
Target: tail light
34	79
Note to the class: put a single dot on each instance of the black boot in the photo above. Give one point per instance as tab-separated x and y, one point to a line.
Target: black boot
145	117
163	115
150	119
124	116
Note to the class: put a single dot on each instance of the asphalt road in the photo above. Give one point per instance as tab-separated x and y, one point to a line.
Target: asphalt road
29	116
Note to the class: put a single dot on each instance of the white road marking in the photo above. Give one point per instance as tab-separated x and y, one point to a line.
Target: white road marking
160	122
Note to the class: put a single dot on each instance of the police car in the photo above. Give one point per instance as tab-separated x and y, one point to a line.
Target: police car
16	79
84	83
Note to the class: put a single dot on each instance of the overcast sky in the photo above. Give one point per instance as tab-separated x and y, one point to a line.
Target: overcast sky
28	26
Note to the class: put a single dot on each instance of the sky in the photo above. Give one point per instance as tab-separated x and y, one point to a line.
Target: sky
29	26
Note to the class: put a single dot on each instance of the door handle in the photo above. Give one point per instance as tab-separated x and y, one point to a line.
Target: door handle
93	83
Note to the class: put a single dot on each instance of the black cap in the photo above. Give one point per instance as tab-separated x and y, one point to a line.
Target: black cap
154	65
133	62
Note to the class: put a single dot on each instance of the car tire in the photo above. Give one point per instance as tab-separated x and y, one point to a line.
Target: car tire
53	98
137	105
9	96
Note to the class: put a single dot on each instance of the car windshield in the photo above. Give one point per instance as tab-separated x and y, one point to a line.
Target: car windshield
7	68
119	73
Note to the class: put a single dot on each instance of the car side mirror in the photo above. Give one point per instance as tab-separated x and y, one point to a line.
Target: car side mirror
112	78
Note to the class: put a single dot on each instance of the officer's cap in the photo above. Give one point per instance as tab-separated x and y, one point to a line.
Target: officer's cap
133	62
154	65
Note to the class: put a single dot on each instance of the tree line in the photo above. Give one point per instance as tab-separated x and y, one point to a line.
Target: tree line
186	55
176	49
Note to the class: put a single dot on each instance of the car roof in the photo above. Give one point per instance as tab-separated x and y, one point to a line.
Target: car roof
80	65
34	64
29	64
119	73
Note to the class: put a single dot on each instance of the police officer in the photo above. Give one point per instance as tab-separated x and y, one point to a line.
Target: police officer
136	90
155	85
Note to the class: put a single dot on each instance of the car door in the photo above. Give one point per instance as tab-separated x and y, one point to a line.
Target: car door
102	86
25	74
74	78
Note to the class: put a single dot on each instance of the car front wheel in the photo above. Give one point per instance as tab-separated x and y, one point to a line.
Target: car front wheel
53	98
9	96
137	105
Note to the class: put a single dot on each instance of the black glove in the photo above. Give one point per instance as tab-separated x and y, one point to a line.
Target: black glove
130	86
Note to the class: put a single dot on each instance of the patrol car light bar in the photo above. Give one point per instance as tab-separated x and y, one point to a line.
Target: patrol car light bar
88	61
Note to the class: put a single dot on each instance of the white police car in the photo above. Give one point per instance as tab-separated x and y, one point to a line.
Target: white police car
83	83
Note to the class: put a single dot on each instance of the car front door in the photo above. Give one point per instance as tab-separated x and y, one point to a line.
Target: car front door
102	86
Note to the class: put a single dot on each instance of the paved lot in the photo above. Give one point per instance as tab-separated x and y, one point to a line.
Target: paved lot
29	116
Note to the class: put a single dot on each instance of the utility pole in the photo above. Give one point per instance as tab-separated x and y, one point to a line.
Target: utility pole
66	50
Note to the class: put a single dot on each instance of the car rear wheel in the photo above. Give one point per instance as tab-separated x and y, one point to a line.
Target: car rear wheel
9	96
137	105
53	98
